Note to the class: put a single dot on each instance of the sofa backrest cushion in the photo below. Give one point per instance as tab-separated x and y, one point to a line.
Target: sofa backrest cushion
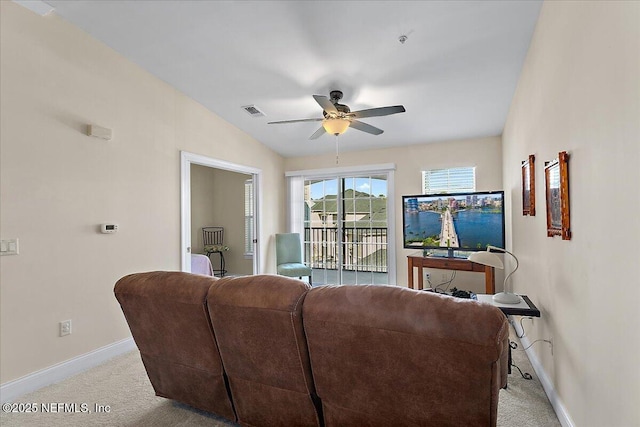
259	330
386	355
168	317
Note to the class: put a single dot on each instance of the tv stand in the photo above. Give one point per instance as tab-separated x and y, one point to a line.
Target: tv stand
449	263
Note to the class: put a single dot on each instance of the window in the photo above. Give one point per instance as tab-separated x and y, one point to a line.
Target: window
248	217
452	180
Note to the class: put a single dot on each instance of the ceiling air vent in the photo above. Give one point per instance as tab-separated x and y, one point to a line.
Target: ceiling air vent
253	111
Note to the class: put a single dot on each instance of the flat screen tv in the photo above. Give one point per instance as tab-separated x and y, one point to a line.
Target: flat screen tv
453	222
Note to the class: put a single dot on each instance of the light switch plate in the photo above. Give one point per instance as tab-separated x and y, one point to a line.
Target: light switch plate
9	247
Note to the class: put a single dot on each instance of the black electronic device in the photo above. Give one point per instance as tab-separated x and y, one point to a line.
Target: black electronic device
459	293
454	292
453	224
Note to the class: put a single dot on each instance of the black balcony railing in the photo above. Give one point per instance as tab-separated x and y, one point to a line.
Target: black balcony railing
363	249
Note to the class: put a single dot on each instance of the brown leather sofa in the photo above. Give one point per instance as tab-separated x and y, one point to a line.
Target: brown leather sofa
271	351
258	324
389	356
168	317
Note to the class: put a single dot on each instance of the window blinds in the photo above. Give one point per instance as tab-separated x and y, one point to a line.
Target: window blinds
452	180
248	217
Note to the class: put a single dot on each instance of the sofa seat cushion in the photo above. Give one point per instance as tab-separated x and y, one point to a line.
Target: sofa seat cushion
293	269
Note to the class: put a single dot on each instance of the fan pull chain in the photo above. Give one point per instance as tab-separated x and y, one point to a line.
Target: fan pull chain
336	149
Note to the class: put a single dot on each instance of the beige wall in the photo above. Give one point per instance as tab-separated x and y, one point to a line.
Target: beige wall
580	91
217	199
58	184
203	204
485	154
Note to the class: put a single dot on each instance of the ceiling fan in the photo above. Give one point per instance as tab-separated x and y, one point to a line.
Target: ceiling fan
338	117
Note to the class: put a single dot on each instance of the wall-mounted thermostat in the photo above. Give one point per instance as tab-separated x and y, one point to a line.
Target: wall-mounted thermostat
108	228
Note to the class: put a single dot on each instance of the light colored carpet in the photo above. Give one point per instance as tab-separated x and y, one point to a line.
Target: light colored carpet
122	384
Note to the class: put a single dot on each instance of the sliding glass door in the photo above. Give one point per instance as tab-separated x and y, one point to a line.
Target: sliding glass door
346	229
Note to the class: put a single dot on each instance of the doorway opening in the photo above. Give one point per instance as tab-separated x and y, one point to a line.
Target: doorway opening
223	194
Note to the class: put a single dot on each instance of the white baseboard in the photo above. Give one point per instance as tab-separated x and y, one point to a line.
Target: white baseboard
11	390
547	384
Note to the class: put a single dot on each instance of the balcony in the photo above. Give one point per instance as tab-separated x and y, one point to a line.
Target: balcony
363	249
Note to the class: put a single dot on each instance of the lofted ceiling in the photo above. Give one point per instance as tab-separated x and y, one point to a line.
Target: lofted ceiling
455	74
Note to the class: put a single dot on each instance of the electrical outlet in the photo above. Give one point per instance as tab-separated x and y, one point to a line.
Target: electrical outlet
427	277
65	327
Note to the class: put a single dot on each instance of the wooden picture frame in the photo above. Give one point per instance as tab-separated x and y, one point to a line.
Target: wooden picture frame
529	186
556	175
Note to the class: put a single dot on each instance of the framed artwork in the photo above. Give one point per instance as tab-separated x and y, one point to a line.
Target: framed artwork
529	186
556	176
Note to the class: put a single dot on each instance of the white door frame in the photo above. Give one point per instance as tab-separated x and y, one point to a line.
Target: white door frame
186	160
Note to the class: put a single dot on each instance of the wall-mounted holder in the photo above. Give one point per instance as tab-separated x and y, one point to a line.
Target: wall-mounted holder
99	132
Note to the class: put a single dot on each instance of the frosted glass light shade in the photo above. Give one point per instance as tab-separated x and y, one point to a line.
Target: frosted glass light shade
335	126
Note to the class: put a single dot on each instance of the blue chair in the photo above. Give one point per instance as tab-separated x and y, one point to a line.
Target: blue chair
289	256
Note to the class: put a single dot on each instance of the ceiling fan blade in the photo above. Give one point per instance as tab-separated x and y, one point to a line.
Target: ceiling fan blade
365	127
317	134
294	121
326	104
375	112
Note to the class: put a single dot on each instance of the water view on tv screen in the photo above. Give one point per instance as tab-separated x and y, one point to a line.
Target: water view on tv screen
465	221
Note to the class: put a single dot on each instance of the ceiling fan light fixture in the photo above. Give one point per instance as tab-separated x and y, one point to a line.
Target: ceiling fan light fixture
335	126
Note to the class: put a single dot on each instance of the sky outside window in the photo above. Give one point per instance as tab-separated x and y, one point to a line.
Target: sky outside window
374	186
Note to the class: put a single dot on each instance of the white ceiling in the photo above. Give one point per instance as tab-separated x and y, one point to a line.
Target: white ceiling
455	74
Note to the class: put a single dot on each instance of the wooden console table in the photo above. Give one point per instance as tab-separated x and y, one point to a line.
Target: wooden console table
459	264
